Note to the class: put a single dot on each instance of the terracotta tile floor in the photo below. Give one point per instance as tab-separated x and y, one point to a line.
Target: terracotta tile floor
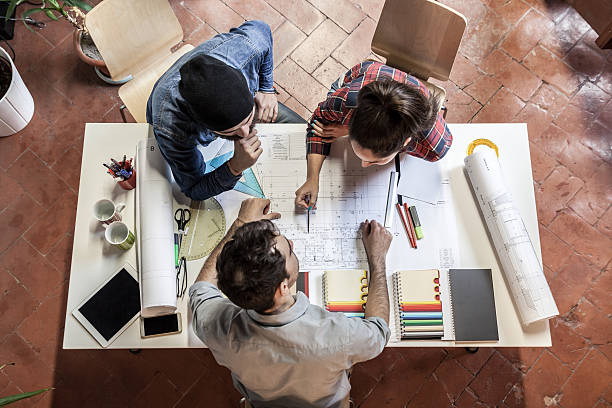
531	61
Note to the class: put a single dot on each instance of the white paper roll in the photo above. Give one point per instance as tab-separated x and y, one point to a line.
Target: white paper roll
520	265
156	232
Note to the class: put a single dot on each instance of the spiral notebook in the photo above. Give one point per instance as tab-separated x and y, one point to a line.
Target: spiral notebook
301	284
418	309
468	305
345	291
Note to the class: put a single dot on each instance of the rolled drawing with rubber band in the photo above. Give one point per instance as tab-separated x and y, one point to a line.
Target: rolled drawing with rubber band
520	265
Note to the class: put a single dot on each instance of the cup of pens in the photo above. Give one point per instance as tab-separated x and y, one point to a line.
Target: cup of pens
123	172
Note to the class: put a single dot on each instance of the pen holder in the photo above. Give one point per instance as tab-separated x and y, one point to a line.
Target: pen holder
130	183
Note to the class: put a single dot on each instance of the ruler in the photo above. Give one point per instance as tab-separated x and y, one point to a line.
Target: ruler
205	229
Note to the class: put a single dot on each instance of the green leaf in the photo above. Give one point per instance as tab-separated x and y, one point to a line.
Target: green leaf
54	3
27	13
11	8
50	14
32	11
81	4
12	398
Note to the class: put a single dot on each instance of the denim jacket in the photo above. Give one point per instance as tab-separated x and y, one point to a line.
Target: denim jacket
247	48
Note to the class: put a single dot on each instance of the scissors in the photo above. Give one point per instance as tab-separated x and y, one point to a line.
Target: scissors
182	217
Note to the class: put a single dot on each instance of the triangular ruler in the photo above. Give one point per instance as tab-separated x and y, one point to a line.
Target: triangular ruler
247	184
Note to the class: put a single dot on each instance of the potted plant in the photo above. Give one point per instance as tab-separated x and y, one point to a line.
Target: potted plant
16	103
74	12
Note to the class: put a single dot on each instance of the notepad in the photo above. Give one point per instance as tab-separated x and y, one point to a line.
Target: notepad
468	305
301	284
418	309
345	291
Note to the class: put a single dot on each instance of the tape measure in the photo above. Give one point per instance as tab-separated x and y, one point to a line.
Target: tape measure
205	229
482	142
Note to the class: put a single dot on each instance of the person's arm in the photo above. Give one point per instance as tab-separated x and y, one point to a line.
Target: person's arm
188	167
308	193
323	128
261	35
208	273
376	240
265	97
252	209
434	144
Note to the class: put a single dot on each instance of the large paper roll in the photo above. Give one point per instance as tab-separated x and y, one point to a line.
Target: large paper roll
520	264
156	232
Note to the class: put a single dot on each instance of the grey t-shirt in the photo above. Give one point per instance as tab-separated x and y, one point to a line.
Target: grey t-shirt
296	358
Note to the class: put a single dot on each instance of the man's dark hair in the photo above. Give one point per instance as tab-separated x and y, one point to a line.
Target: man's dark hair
250	268
387	113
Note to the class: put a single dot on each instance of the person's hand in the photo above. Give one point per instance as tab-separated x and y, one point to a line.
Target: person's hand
267	107
376	240
330	132
255	209
306	196
246	152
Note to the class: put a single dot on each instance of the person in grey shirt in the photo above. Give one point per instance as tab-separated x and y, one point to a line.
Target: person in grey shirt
283	351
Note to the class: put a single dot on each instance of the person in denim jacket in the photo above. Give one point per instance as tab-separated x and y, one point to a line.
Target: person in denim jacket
219	89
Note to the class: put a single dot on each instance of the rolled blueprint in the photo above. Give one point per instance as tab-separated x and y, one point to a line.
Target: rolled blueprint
156	231
519	262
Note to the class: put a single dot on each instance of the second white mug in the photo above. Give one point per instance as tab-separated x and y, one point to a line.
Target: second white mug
106	211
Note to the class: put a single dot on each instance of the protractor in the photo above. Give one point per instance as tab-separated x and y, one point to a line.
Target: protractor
205	229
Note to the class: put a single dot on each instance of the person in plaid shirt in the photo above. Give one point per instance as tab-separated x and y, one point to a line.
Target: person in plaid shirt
384	111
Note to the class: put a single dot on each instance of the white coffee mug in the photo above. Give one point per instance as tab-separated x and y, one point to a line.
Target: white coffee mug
119	235
107	211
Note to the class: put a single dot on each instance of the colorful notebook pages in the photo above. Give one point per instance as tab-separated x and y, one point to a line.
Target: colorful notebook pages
418	312
345	291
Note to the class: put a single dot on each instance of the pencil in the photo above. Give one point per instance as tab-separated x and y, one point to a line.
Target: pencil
399	209
409	221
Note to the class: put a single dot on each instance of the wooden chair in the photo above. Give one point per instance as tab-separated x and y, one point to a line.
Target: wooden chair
135	37
420	37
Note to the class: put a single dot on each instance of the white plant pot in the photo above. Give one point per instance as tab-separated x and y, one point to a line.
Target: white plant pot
17	105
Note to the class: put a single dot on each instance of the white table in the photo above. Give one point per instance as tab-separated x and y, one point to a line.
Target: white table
93	260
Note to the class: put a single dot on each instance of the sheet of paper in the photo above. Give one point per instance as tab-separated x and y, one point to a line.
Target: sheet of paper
348	194
155	233
421	180
520	264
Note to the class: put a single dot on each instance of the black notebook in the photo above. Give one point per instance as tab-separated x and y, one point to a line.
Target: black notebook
469	305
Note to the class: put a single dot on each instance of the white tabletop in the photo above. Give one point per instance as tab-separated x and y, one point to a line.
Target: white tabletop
93	260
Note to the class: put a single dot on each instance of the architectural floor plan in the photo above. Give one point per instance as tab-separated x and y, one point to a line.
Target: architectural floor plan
348	194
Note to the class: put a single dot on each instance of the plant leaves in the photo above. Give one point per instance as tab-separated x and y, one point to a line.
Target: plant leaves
50	14
11	8
27	13
12	398
81	4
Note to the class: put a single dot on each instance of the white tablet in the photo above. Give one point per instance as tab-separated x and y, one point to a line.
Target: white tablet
112	307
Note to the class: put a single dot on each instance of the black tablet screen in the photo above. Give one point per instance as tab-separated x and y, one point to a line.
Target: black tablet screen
113	305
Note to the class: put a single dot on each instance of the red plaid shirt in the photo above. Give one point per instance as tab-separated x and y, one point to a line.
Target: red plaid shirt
340	105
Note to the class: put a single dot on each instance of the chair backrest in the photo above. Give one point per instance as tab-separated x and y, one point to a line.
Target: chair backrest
132	34
419	36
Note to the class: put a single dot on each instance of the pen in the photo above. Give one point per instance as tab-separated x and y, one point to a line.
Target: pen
308	214
176	249
409	220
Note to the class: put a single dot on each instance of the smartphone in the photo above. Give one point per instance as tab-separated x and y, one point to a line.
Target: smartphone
160	325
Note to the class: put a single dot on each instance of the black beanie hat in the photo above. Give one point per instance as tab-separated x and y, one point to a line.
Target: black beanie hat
217	94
